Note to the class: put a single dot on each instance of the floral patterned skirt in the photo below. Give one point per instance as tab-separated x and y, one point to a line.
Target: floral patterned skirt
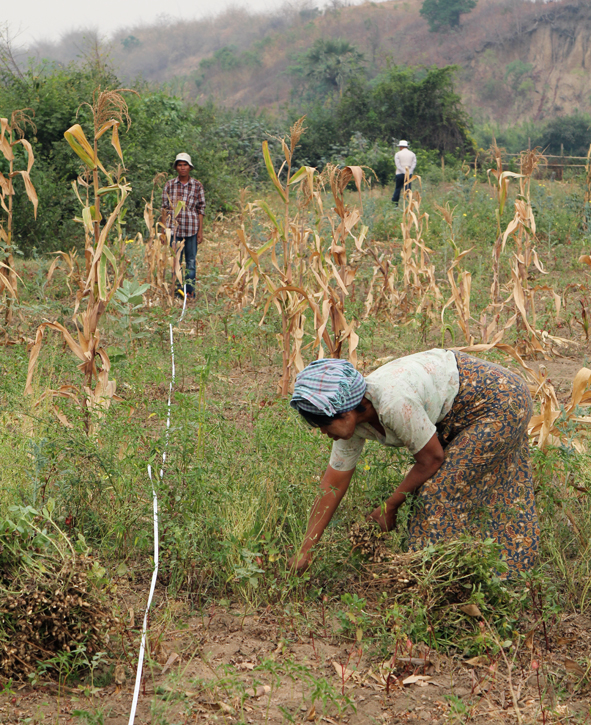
484	486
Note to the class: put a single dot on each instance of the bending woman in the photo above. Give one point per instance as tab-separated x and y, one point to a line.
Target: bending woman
465	422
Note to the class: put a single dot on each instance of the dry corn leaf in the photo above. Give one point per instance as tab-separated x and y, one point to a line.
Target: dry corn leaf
573	667
170	662
342	671
416	680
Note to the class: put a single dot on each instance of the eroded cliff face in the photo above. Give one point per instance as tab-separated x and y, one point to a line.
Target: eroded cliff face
542	70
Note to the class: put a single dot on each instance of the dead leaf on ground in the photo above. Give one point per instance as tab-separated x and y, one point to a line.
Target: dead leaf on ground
565	640
342	671
573	667
119	675
412	660
260	691
529	639
420	680
471	610
479	661
225	708
245	665
311	714
173	657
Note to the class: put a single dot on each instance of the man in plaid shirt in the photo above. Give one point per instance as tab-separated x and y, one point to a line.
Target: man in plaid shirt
185	220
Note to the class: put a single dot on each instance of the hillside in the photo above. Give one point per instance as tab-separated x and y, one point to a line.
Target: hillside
519	60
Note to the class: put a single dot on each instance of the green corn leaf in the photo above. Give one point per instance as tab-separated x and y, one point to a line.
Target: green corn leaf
102	277
271	171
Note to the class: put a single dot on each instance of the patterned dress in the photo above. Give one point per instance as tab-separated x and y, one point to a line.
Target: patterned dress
484	486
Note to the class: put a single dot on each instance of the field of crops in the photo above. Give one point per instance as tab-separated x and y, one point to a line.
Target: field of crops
492	258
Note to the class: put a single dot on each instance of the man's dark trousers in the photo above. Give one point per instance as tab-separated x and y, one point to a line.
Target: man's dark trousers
190	254
399	184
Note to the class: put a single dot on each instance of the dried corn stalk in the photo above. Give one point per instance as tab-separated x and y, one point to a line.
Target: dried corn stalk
12	133
522	230
421	292
74	276
161	256
312	273
383	297
587	207
109	111
555	424
460	281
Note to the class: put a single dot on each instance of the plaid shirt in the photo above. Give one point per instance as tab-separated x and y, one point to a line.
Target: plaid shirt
186	222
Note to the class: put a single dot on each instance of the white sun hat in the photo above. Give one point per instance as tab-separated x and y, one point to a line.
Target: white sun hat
403	143
183	157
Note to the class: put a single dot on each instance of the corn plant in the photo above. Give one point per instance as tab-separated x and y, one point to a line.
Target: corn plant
242	289
159	255
416	296
555	424
109	111
522	231
383	296
460	281
313	272
74	275
587	207
421	294
12	133
500	189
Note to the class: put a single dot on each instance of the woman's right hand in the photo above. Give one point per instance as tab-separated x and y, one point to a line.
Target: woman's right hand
300	562
384	516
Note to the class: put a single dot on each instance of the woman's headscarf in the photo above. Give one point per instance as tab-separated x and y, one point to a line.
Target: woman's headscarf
328	387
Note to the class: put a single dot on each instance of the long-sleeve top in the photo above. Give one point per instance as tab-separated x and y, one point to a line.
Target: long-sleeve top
183	220
405	158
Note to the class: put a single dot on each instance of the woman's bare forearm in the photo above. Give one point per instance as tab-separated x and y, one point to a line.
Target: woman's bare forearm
333	487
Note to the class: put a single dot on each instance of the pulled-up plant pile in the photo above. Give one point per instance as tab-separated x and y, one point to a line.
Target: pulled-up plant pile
50	603
441	591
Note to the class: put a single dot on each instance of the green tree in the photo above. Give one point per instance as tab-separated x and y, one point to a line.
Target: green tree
571	133
442	14
415	103
328	66
161	127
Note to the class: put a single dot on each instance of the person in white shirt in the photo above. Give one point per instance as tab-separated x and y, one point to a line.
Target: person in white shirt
406	161
464	420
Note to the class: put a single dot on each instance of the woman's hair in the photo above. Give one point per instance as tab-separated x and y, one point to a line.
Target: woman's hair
317	420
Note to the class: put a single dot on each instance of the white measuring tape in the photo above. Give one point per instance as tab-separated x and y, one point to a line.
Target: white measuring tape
140	664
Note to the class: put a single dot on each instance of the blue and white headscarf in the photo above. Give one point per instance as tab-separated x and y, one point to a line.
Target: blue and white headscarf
328	387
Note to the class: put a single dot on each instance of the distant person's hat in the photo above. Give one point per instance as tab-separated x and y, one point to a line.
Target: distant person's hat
183	157
403	143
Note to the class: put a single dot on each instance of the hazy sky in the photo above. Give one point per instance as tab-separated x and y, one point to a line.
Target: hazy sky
34	20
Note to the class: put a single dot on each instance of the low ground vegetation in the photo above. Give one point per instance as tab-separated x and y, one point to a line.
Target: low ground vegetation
370	633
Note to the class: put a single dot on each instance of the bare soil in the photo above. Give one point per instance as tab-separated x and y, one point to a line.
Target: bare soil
271	666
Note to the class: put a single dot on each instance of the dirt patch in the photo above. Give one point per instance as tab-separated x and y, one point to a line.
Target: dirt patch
278	666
